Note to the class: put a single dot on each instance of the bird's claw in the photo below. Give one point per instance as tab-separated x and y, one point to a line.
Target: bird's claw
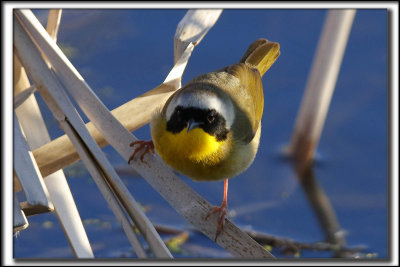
146	146
222	210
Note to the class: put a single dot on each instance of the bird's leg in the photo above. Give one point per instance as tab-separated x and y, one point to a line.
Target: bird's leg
222	210
146	146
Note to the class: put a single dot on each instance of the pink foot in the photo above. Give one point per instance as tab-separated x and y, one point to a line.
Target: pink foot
146	146
222	210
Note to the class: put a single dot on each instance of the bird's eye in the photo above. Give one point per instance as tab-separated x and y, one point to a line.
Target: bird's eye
178	113
211	116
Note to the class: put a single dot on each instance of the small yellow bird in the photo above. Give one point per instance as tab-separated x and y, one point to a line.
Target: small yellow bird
210	129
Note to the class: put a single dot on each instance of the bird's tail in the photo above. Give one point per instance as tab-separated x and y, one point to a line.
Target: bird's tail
261	54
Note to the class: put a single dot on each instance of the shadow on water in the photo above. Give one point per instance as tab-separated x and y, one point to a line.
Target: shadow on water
323	209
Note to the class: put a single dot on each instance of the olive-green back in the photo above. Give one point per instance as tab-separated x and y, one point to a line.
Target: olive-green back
251	101
256	61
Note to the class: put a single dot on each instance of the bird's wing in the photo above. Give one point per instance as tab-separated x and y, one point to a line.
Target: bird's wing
249	97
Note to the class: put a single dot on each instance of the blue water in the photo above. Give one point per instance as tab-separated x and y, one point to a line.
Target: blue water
124	53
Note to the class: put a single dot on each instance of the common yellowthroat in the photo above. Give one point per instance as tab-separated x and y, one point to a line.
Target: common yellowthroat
210	128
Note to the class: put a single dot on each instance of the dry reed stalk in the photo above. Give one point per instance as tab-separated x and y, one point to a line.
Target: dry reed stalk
94	170
312	115
320	86
19	220
70	121
34	127
53	23
180	196
192	29
28	173
23	96
100	178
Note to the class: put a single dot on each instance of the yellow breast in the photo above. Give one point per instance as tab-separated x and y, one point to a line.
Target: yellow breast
192	153
196	146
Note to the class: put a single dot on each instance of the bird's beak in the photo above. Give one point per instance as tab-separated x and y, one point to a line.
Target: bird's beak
192	124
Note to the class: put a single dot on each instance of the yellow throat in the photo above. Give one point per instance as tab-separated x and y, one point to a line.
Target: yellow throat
195	145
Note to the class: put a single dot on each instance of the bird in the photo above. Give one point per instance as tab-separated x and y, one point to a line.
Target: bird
209	129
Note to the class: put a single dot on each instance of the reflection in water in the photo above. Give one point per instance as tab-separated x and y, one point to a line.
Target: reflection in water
322	207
